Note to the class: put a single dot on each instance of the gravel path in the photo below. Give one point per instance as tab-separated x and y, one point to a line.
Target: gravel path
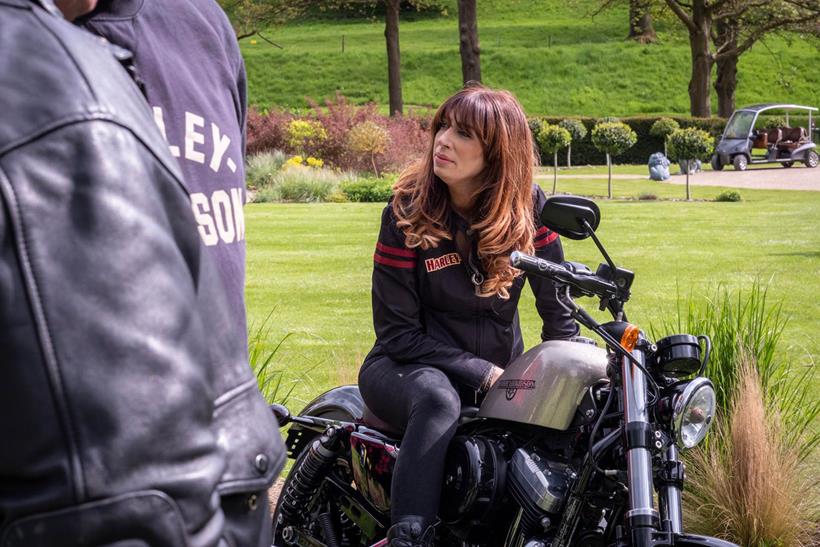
773	178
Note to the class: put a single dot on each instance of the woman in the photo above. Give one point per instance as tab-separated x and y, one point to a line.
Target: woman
444	294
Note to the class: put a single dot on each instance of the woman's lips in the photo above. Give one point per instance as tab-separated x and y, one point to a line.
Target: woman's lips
441	159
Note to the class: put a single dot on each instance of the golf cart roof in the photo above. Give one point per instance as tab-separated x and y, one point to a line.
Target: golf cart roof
776	106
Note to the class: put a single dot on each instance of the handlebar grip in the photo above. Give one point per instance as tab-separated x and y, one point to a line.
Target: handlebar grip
588	283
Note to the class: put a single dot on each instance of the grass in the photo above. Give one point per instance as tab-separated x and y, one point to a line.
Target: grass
312	264
551	54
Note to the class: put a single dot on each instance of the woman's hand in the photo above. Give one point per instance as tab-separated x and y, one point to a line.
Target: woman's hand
493	376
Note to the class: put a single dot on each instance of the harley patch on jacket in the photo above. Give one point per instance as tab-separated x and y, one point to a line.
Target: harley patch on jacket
433	264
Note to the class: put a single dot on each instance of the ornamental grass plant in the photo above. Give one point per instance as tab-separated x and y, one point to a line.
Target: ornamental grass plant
749	484
751	481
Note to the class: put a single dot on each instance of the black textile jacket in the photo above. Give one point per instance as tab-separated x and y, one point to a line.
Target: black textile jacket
113	346
426	311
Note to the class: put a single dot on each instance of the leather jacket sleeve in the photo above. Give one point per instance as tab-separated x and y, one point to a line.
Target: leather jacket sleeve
397	315
557	322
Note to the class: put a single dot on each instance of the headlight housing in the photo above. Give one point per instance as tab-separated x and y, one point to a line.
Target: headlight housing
693	413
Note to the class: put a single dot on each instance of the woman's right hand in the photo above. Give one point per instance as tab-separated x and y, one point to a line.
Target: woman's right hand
492	378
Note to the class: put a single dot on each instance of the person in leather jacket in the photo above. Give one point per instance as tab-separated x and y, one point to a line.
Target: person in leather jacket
113	334
445	297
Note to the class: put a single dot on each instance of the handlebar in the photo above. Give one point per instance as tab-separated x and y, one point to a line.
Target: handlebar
570	274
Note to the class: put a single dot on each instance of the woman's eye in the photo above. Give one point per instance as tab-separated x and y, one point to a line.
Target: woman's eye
464	133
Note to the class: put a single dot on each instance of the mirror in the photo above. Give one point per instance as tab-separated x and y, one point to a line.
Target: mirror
565	215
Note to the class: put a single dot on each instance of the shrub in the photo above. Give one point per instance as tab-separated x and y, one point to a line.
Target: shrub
267	132
612	138
728	195
368	189
305	135
771	122
647	196
550	139
584	151
690	144
662	129
371	139
577	130
262	168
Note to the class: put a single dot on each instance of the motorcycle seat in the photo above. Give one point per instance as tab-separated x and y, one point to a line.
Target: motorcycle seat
372	421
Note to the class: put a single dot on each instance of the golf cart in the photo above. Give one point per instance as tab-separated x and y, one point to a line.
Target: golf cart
746	141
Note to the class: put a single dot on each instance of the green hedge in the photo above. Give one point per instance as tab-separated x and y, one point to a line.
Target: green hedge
584	152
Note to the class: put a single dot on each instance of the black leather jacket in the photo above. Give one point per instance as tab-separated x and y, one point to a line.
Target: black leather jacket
113	351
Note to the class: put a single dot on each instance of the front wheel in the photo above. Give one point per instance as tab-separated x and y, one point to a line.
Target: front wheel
811	159
740	162
716	163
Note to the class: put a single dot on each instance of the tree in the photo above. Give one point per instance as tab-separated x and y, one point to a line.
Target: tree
722	30
250	17
369	138
640	22
662	128
391	36
577	131
688	145
550	139
468	41
613	138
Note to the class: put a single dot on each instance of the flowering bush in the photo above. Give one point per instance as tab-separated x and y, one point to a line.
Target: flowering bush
299	161
663	128
408	138
305	135
613	138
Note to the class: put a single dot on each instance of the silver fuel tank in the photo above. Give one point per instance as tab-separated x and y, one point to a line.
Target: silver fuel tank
545	385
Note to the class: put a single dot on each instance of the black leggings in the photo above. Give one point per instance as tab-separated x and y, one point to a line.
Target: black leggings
423	402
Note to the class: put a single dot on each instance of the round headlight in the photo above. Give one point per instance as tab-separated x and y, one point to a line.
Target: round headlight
693	412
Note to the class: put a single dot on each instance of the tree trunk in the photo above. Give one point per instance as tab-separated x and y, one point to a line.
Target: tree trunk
468	41
665	147
700	105
640	22
726	82
609	180
554	172
569	156
688	196
391	36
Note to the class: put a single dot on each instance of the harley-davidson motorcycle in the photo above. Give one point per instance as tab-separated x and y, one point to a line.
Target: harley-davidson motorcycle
570	447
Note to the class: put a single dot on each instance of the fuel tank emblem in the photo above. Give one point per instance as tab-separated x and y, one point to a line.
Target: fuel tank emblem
511	387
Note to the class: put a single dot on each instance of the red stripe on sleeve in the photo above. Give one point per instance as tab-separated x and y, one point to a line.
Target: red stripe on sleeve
395	250
546	241
395	263
541	231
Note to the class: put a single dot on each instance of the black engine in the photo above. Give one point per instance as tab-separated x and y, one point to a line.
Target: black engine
478	476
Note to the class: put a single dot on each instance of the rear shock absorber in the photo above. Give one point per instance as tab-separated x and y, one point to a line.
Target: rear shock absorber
308	475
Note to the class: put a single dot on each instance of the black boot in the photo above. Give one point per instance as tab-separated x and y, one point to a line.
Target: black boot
410	531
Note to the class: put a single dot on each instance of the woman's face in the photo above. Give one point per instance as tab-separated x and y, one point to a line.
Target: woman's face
458	157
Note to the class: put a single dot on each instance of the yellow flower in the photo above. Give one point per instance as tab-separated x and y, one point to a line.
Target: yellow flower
315	162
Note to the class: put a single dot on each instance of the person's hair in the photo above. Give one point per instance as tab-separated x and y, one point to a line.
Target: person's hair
503	217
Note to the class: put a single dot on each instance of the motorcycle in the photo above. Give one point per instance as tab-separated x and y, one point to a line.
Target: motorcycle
568	448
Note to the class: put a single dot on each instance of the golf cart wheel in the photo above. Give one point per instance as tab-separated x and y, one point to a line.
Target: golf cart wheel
787	163
716	164
811	159
740	162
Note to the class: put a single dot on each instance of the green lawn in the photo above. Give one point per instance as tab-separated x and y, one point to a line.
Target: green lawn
310	265
552	54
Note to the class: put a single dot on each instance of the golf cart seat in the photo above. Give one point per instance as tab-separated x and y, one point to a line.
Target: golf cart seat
792	138
775	135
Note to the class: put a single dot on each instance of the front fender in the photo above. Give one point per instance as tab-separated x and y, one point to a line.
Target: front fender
800	151
343	403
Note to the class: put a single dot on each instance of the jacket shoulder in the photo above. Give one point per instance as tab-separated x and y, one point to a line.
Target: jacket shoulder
54	73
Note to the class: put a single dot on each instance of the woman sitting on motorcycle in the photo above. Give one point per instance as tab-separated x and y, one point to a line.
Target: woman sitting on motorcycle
444	294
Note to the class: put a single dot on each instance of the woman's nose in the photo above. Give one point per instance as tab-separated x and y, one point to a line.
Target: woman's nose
444	137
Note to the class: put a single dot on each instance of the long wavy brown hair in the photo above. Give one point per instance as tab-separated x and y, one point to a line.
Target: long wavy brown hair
502	217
